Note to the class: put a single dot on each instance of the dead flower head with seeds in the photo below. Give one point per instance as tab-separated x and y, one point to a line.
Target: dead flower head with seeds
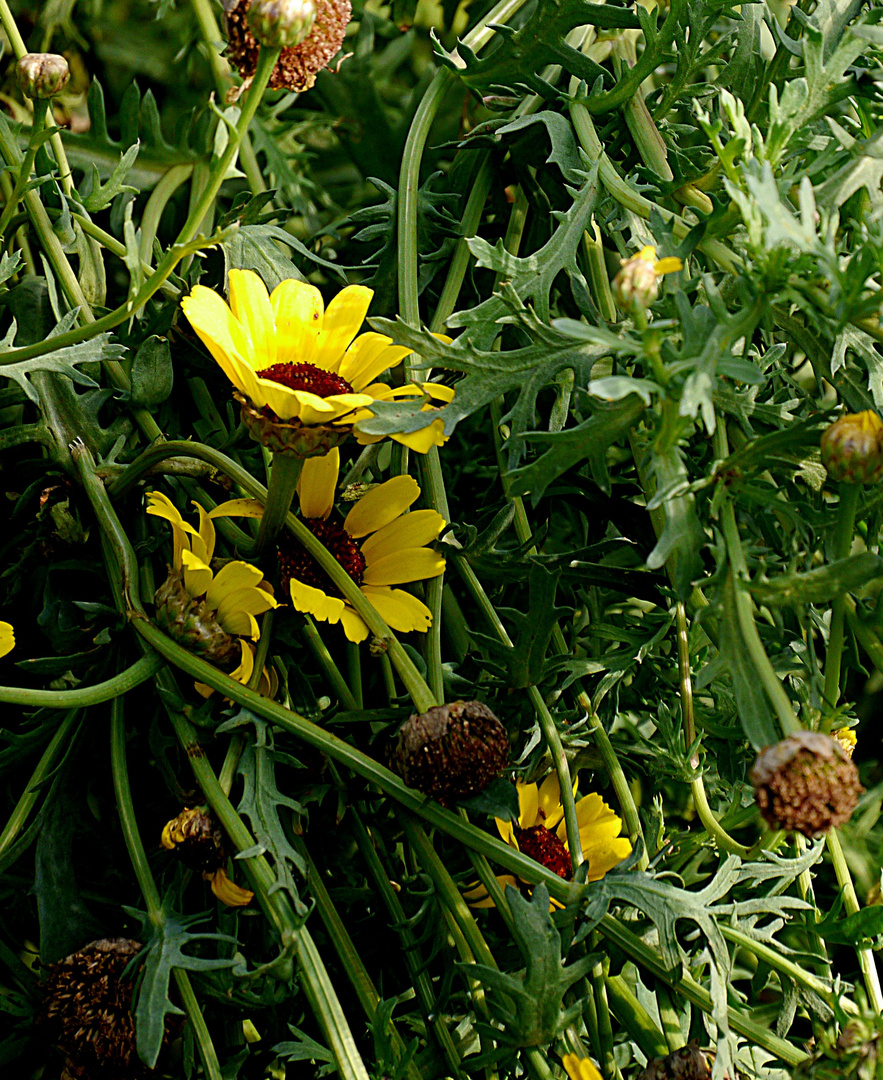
303	374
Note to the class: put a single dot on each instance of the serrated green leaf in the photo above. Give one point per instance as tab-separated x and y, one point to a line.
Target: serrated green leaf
819	586
102	195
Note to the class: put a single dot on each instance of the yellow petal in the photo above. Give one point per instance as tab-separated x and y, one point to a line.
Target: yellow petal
478	896
315	602
399	609
298	308
206	547
158	505
229	579
285	402
197	575
242	623
227	891
528	805
647	253
332	409
407	564
369	356
317	483
7	638
422	440
507	832
579	1068
248	508
381	506
671	265
343	320
604	857
354	627
252	601
549	801
246	664
410	531
439	392
217	328
251	307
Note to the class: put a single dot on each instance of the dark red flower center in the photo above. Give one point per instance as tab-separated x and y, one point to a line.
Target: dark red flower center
543	846
307	377
296	562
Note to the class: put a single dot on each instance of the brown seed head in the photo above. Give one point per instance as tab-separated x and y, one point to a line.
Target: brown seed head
451	751
806	783
688	1063
298	65
86	1012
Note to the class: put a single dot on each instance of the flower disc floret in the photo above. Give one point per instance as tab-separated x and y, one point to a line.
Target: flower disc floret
545	847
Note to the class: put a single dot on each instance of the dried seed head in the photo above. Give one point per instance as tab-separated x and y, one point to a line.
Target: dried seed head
852	448
452	751
806	783
87	1013
688	1063
197	840
298	64
192	624
42	75
281	23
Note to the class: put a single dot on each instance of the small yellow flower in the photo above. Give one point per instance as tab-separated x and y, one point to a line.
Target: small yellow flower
205	611
298	364
541	834
636	285
580	1068
847	739
7	638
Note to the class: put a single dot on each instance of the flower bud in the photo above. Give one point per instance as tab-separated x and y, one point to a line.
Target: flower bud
452	751
852	448
281	23
42	75
636	285
806	783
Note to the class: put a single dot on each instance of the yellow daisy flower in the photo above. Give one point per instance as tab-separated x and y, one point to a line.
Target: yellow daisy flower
7	638
578	1068
205	611
297	364
541	834
393	552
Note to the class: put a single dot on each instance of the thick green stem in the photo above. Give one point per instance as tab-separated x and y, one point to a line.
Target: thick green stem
866	959
82	696
284	475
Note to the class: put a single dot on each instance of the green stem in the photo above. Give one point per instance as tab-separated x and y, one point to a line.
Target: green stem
631	1014
865	953
133	676
850	494
156	203
697	787
565	781
284	475
33	788
138	857
332	672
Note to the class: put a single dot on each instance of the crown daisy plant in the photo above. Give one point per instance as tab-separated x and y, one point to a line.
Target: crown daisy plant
540	834
209	612
302	373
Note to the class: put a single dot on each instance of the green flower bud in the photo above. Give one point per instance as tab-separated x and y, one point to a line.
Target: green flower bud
636	285
42	75
281	23
852	448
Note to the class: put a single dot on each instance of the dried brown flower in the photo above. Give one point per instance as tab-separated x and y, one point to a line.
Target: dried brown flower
452	751
197	839
298	65
688	1063
806	783
87	1012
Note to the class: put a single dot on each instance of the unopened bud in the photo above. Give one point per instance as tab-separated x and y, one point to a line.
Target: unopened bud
281	23
636	285
42	75
852	448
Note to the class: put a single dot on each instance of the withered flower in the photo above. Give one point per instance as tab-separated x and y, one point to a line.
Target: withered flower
806	783
451	751
198	841
298	65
